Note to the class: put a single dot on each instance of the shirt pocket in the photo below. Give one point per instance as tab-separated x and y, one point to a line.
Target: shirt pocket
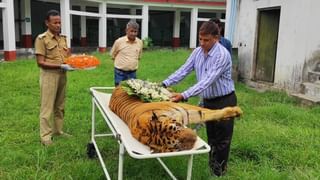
52	50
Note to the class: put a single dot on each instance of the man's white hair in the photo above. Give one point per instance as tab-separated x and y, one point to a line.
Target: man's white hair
132	24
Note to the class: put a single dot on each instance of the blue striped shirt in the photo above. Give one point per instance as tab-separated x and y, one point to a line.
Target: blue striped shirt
213	73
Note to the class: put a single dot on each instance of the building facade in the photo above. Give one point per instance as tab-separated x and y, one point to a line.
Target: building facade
98	23
278	44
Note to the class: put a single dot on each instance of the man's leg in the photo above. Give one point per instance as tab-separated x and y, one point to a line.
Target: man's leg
132	75
219	139
212	141
48	89
220	135
59	105
118	76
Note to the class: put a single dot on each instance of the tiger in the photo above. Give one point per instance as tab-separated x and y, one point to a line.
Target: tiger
162	125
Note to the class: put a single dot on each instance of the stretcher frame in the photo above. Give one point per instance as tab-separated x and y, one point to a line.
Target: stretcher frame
127	143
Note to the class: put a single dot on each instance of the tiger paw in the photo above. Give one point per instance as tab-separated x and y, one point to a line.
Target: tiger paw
230	112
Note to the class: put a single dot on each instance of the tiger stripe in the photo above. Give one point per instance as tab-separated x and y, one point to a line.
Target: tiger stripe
161	125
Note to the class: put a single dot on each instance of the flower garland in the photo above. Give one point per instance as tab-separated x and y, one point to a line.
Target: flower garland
82	61
145	90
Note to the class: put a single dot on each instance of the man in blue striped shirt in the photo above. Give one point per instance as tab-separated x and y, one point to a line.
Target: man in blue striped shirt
212	65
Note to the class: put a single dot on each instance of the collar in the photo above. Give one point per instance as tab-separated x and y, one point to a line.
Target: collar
49	33
210	53
127	40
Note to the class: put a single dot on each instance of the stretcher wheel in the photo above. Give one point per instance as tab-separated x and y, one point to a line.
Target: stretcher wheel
91	150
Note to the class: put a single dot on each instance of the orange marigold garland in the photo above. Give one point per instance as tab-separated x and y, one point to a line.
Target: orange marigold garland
82	61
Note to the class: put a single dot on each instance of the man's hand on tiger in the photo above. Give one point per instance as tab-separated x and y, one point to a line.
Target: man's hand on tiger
176	97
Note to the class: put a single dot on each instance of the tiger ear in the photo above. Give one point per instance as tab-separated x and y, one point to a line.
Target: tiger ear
154	116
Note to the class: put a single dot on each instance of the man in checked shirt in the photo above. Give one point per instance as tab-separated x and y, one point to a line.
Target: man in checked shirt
126	53
213	66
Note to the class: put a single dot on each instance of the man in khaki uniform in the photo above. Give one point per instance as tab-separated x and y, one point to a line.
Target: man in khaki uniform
51	50
126	52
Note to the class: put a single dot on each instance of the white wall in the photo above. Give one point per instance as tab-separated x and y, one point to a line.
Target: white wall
298	39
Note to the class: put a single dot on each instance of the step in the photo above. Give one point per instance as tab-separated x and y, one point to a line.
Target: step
311	89
313	76
306	99
317	82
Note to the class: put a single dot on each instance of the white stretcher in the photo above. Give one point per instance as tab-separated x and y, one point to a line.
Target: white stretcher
127	142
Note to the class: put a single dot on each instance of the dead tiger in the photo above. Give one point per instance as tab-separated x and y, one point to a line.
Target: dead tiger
161	125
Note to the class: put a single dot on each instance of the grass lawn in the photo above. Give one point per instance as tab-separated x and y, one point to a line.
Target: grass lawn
275	139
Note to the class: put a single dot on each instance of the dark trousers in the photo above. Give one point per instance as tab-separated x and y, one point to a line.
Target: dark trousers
219	134
120	75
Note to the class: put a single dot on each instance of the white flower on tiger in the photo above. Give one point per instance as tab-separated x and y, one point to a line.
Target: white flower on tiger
148	91
155	95
143	90
166	98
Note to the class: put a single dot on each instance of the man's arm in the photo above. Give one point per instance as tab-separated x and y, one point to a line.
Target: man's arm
141	49
114	51
46	65
40	51
182	72
68	48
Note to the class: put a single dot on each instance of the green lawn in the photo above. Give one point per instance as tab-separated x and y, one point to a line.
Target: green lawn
275	139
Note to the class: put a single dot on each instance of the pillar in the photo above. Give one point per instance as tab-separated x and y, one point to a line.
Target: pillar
176	29
83	23
9	38
230	23
26	24
193	28
65	20
103	27
145	22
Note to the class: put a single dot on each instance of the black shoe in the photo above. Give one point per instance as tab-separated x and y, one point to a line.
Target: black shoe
217	169
91	150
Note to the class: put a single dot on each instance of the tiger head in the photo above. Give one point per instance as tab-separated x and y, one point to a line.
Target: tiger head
170	135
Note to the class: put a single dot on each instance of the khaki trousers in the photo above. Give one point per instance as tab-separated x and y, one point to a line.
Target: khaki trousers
52	97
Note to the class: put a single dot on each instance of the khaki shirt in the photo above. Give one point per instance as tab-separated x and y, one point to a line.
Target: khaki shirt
126	54
54	49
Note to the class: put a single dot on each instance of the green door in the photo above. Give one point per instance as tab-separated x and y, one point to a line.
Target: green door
268	28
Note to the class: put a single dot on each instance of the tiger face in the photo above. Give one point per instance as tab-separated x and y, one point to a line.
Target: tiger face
167	134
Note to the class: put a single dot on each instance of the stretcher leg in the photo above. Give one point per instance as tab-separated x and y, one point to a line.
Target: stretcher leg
93	141
165	167
190	163
121	159
93	117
